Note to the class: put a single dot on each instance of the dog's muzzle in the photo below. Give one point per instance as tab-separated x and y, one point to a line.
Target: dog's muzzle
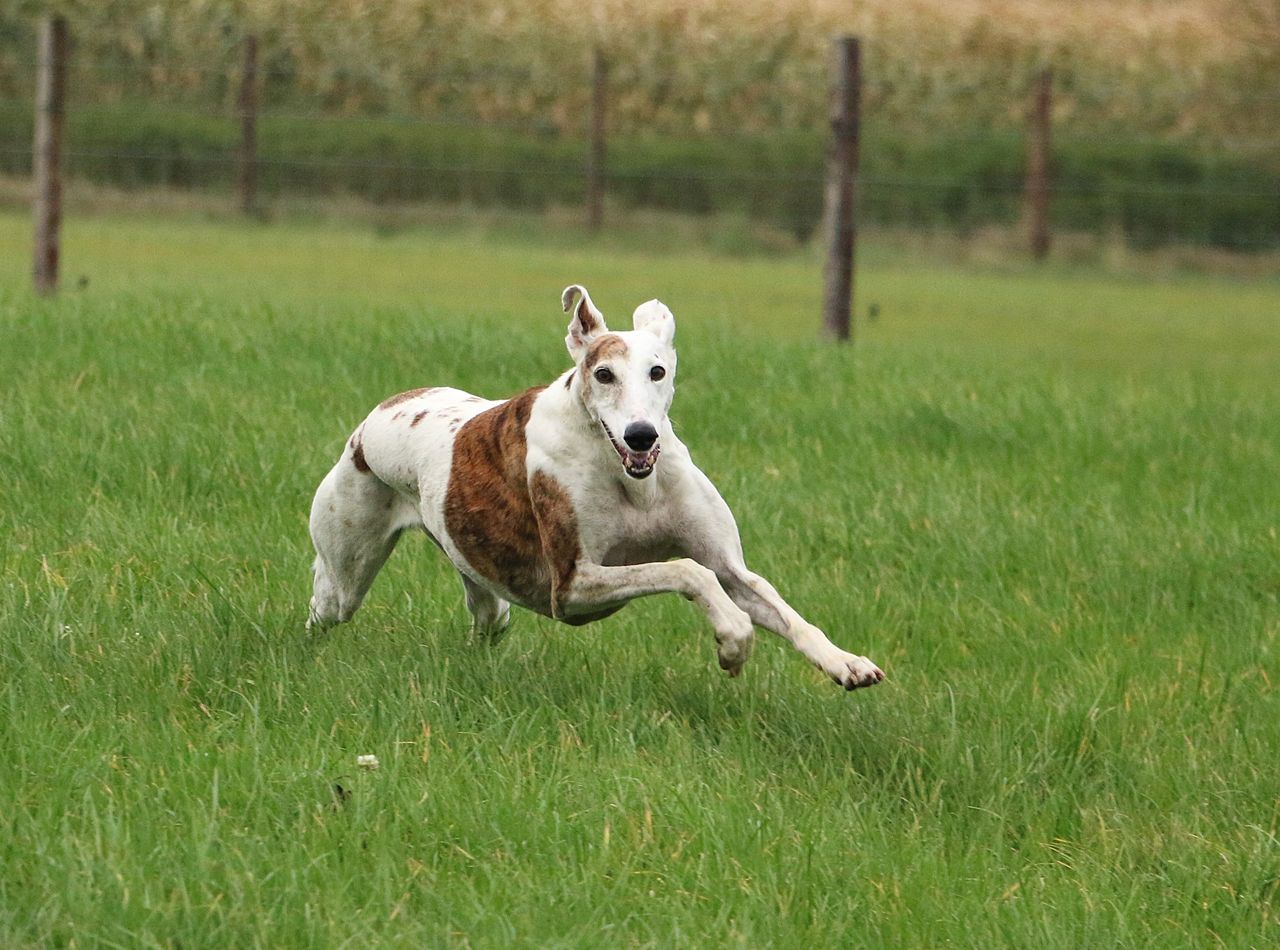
639	451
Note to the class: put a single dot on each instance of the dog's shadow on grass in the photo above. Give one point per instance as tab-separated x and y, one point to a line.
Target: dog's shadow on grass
657	701
777	710
782	715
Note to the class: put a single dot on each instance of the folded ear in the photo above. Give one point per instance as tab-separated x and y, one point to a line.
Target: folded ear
654	317
587	322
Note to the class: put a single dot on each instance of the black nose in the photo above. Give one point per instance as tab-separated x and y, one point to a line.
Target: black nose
640	436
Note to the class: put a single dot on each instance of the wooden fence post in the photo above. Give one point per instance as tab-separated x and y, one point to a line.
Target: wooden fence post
248	108
839	211
596	156
51	87
1037	184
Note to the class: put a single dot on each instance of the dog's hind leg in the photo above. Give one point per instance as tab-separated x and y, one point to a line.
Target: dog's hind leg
355	523
490	614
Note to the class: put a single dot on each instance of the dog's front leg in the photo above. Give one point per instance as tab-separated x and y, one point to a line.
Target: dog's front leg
580	586
767	609
593	587
712	540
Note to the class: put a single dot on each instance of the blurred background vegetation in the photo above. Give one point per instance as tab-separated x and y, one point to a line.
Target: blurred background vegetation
1166	114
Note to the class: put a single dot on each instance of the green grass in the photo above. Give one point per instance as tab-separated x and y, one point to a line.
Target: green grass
1044	501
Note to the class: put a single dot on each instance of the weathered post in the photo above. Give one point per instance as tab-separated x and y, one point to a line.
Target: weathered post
840	208
596	155
51	87
247	105
1037	184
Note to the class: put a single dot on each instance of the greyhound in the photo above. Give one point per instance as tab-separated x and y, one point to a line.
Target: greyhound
569	500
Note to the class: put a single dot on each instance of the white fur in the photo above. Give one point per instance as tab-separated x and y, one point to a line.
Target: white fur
669	531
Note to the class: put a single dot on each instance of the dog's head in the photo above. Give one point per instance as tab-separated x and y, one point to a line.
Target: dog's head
627	378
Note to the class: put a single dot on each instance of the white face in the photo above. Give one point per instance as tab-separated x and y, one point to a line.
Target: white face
628	383
627	380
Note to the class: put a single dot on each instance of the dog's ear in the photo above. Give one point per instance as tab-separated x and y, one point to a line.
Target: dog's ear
587	322
653	317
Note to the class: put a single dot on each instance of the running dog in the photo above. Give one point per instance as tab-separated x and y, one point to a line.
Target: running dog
569	499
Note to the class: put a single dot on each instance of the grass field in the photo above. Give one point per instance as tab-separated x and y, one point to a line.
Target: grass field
1046	502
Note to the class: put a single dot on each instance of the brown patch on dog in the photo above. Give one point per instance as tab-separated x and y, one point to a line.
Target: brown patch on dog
588	318
357	453
418	418
568	380
558	525
606	347
488	509
404	397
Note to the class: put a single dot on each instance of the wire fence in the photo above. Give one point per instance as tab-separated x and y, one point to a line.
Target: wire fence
124	131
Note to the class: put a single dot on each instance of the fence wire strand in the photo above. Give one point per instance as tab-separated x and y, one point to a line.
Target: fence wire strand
508	150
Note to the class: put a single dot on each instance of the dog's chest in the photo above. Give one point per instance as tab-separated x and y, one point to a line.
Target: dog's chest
615	530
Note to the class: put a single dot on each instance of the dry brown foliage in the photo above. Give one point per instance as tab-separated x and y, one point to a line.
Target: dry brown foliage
1188	67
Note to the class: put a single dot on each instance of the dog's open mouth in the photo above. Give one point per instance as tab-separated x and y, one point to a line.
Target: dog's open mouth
635	464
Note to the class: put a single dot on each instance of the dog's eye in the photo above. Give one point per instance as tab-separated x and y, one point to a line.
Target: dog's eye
657	373
604	375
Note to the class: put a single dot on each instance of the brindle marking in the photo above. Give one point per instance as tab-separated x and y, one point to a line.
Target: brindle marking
558	525
404	397
418	417
606	347
487	508
589	322
357	453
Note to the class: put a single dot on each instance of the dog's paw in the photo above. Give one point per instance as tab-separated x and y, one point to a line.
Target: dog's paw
852	671
313	617
735	645
733	654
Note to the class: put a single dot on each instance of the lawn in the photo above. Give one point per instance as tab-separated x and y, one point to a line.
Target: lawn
1046	502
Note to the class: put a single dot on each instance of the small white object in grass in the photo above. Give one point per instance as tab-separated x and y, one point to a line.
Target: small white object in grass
369	762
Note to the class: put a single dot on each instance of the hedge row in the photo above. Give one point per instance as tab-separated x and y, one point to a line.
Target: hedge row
1153	194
